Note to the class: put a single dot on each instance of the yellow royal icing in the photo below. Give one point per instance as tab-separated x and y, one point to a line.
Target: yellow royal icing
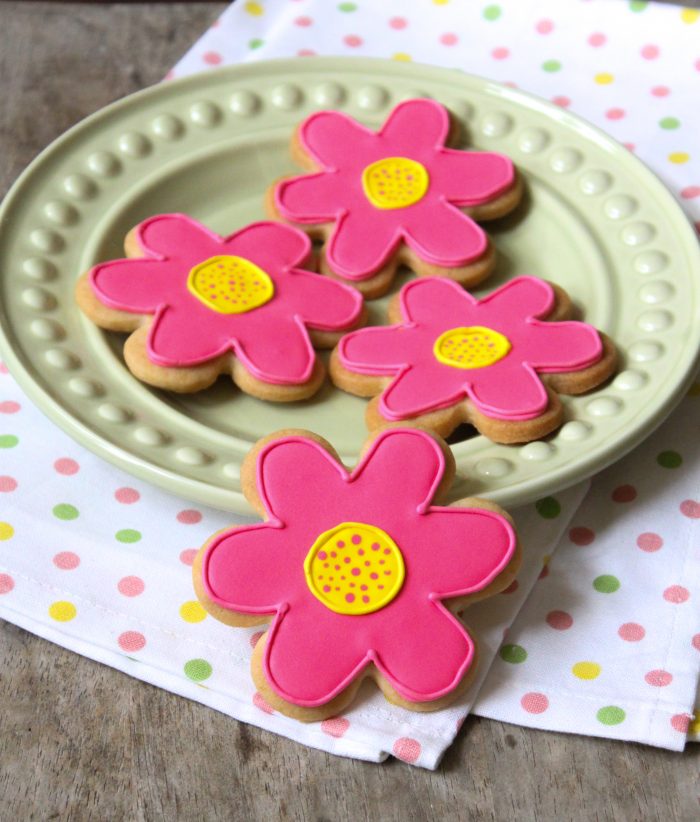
230	285
395	182
354	568
473	347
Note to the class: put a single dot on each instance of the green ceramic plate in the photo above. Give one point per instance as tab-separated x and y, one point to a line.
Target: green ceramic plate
596	221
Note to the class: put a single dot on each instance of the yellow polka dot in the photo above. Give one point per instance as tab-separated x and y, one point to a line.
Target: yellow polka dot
402	57
694	727
6	530
586	670
192	611
604	79
62	611
679	157
255	9
440	2
545	560
690	16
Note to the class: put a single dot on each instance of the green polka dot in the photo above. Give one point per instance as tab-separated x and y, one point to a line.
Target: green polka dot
551	65
669	459
669	123
611	715
513	654
256	43
548	508
128	535
492	12
638	5
8	441
606	584
198	669
347	6
65	511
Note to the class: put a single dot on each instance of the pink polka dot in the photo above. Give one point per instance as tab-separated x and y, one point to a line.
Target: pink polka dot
189	517
9	407
559	620
398	22
187	556
695	642
597	39
580	535
306	53
6	583
661	91
615	113
631	632
303	21
500	53
131	641
352	40
3	368
262	704
335	726
66	466
544	26
561	101
131	586
127	495
676	594
697	65
690	192
7	484
255	638
650	52
630	147
535	703
512	588
407	749
658	678
681	723
170	75
624	493
66	560
449	39
510	84
649	542
212	58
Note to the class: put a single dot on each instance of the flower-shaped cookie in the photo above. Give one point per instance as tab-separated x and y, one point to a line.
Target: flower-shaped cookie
200	305
396	195
452	358
358	572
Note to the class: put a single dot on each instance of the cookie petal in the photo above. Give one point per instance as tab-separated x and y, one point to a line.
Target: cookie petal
442	235
136	285
436	302
512	391
422	123
376	350
469	178
271	246
333	139
177	237
320	302
520	299
311	198
563	346
362	243
185	334
421	389
279	353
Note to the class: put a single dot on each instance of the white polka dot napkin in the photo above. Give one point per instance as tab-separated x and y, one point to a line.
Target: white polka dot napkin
608	643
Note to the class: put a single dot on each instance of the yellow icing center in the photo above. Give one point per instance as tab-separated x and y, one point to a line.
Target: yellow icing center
395	182
230	285
354	568
473	347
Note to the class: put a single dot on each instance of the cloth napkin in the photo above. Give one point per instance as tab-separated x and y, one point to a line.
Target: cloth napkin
608	644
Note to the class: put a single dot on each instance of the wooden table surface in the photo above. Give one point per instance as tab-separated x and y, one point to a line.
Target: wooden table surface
79	740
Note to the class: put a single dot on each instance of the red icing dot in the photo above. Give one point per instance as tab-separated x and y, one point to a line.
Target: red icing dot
360	552
365	598
356	539
131	641
624	493
363	587
9	407
534	703
340	543
681	723
559	620
189	517
334	555
631	632
8	484
597	39
337	567
581	535
375	546
327	588
131	586
66	560
658	678
355	572
335	726
127	495
349	597
649	542
407	749
347	560
374	576
6	583
66	466
690	508
676	594
322	555
212	58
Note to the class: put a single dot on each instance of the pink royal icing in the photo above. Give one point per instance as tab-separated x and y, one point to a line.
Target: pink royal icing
429	184
313	652
243	293
503	384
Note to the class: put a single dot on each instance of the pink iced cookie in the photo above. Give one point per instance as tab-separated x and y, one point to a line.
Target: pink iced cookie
358	573
398	195
495	363
199	305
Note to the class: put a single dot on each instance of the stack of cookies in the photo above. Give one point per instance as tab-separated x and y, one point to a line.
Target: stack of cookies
358	573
